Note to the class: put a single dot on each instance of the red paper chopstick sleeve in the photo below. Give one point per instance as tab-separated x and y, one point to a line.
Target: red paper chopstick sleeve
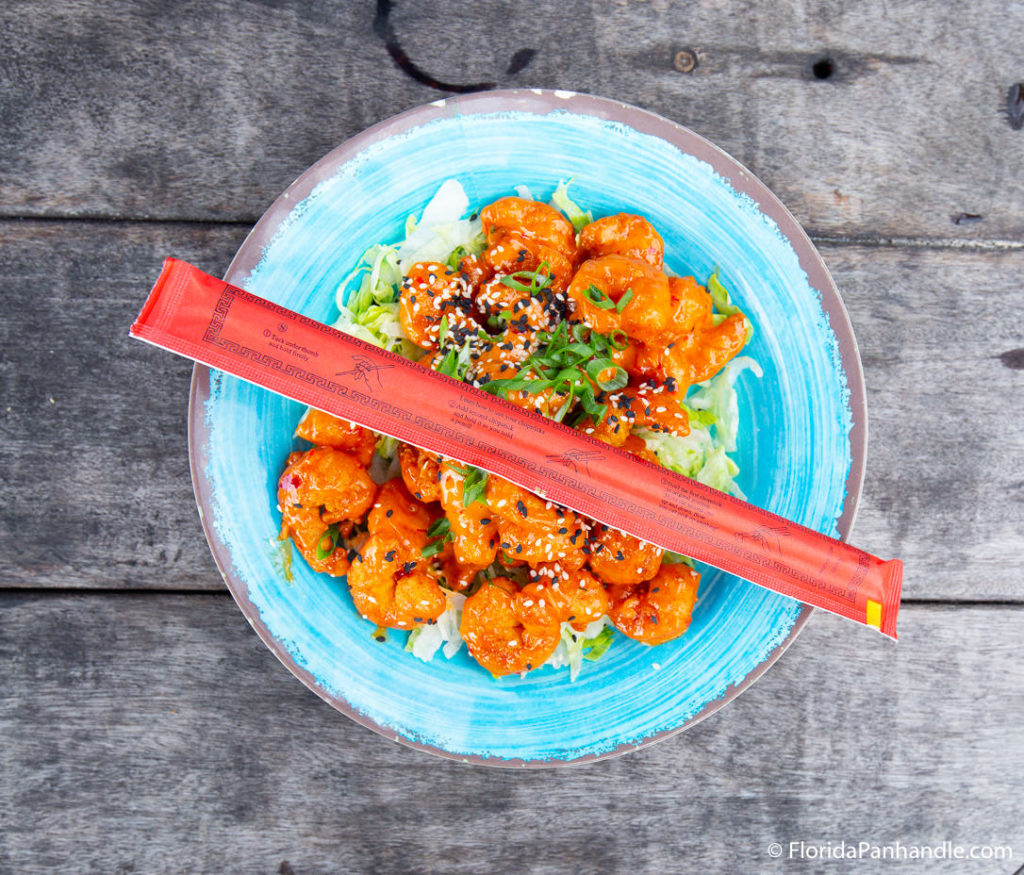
211	321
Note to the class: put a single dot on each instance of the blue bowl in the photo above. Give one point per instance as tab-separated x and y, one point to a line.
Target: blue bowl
801	449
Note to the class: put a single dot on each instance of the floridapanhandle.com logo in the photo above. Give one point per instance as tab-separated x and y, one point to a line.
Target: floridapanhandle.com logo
843	850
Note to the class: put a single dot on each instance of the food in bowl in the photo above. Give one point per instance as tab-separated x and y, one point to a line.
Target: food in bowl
577	320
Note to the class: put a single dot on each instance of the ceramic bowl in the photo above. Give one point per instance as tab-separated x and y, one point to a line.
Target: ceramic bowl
801	448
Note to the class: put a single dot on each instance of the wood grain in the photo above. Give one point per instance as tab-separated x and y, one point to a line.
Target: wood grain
104	498
208	110
155	733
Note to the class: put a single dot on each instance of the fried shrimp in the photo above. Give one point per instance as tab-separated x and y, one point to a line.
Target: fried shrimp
325	430
579	597
474	532
623	234
392	585
432	293
317	491
616	292
529	220
533	530
618	558
508	631
693	349
657	610
421	472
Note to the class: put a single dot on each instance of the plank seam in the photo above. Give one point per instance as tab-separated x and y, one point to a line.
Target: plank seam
984	245
141	591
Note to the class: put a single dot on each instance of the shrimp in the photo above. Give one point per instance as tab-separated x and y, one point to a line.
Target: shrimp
319	490
529	220
623	234
396	513
320	545
392	585
658	610
579	597
502	359
645	313
508	631
693	349
431	293
328	478
325	430
522	311
618	558
421	472
533	530
512	254
474	532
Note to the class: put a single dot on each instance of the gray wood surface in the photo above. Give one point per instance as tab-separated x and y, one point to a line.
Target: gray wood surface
155	733
145	728
208	110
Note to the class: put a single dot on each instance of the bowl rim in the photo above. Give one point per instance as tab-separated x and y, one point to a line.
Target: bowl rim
540	102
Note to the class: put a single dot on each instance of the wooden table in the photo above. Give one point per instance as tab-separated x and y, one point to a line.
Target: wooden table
145	728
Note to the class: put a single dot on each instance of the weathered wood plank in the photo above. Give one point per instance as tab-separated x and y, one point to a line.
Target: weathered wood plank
132	109
103	497
154	733
94	455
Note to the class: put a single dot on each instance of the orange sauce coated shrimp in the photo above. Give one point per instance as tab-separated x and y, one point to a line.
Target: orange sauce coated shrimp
533	530
530	220
618	558
396	513
474	531
309	533
325	430
508	631
328	478
317	489
392	585
579	597
693	348
623	234
421	472
510	254
430	293
646	313
658	610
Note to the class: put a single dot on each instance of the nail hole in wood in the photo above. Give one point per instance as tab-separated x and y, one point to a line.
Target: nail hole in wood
520	60
685	61
1015	105
823	68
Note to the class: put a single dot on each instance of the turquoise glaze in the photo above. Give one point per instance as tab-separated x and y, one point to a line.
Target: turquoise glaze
794	447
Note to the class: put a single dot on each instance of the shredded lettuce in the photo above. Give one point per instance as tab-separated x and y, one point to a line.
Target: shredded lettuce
444	635
575	646
561	201
724	306
441	229
716	399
